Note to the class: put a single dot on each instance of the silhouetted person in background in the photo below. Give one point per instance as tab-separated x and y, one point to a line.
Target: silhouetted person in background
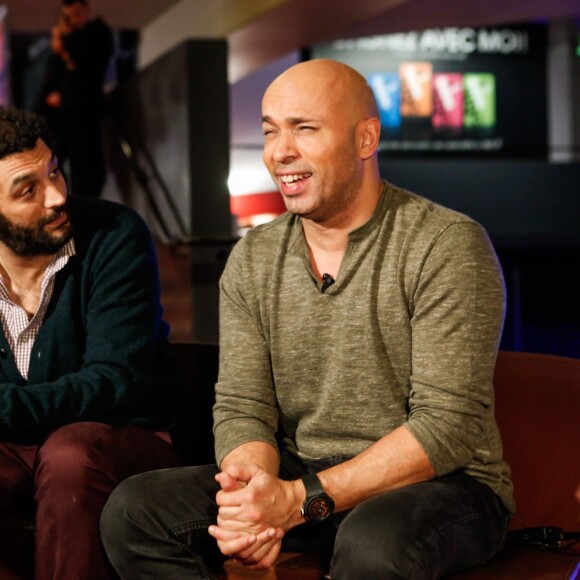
48	101
85	45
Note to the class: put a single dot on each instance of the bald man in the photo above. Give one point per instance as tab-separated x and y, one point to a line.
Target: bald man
354	405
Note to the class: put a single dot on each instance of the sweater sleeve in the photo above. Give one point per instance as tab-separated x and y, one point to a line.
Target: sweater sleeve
457	317
245	408
116	312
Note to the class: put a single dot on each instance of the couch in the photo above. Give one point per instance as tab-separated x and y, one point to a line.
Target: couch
538	412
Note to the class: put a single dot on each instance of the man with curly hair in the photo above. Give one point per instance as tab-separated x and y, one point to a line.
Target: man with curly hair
81	337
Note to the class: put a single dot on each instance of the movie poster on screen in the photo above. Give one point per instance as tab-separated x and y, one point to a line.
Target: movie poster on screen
455	91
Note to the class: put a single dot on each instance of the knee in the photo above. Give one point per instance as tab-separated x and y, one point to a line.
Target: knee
128	501
124	515
67	459
369	546
157	511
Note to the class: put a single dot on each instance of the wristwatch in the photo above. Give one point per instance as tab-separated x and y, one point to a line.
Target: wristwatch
317	506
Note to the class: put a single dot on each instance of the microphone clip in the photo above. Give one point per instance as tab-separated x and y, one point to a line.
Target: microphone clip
327	282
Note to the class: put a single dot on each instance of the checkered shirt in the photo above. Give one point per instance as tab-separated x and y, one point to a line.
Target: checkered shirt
21	331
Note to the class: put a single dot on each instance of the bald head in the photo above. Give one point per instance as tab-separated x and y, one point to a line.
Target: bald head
330	84
321	135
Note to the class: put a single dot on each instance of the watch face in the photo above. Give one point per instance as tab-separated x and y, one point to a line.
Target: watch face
319	509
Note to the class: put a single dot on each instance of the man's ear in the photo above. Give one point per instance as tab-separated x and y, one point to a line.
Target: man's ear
370	132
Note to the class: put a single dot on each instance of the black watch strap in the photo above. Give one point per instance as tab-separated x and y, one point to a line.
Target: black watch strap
312	485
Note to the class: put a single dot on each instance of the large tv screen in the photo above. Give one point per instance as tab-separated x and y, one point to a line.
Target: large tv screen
455	91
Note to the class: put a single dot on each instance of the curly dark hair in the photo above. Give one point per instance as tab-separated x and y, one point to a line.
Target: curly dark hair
19	131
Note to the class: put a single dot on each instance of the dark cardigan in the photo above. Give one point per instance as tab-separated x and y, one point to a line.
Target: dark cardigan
101	338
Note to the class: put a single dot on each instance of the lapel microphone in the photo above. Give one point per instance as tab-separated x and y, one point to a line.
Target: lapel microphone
327	282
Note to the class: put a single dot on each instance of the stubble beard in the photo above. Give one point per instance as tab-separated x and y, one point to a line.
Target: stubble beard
34	240
333	207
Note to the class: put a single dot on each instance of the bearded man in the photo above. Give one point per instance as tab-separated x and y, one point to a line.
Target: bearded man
81	336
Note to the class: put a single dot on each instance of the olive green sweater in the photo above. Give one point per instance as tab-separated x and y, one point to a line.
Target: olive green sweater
407	335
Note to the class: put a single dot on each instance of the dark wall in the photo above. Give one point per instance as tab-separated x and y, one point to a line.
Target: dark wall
531	209
173	116
521	203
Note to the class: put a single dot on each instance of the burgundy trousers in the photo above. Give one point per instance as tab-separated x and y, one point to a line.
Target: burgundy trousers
66	481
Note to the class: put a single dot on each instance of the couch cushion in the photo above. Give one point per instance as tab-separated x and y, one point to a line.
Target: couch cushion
538	412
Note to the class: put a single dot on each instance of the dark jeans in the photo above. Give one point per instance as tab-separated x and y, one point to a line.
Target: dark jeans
155	526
